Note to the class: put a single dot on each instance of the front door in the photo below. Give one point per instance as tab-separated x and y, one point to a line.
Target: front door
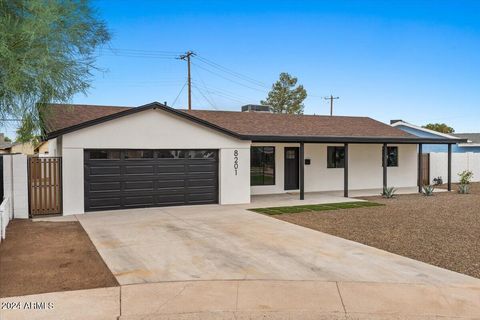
291	168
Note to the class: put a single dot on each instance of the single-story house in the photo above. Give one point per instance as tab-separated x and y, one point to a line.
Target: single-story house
472	143
154	155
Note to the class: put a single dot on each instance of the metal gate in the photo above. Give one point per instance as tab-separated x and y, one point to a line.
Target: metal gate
45	185
426	169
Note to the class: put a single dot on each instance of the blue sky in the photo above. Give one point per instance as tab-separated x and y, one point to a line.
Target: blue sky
412	60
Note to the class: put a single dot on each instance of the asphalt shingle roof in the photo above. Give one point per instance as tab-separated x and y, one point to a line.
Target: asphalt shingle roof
244	123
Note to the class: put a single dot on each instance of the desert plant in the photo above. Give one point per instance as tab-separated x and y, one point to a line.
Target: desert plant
428	190
464	188
465	176
437	181
388	192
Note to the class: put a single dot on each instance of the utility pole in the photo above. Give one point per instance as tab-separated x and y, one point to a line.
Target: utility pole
331	98
186	57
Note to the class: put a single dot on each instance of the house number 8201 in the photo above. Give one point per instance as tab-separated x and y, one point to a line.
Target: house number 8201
235	161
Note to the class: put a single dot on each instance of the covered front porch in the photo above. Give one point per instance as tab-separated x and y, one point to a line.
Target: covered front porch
324	169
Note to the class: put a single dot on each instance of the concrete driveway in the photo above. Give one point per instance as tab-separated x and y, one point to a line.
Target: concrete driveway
230	243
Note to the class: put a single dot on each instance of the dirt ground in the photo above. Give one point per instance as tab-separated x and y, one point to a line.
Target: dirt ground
38	257
443	230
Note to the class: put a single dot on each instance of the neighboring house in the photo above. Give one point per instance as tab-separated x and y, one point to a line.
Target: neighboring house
42	149
466	154
23	148
4	145
472	144
154	155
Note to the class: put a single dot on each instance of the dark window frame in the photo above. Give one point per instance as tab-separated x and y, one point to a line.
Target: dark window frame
392	162
264	164
334	160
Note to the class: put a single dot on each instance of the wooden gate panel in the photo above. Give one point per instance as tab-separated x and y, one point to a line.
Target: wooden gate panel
426	169
45	185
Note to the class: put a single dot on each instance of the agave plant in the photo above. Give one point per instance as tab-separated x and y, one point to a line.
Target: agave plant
388	192
428	190
464	188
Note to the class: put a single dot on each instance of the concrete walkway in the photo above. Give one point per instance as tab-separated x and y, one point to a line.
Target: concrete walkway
256	299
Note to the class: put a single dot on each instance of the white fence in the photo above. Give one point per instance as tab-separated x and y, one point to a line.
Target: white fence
6	215
15	190
460	162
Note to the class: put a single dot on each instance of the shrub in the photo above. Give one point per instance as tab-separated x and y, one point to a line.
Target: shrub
428	190
464	189
465	176
388	192
437	181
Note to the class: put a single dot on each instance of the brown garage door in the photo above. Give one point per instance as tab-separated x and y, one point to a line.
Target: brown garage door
121	179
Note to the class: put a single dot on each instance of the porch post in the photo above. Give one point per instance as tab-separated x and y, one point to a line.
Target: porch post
449	167
302	171
420	168
345	173
385	164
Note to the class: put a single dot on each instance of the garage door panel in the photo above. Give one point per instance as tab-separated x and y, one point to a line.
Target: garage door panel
145	201
168	183
139	185
158	181
170	199
175	168
202	182
104	170
201	168
105	203
105	186
138	169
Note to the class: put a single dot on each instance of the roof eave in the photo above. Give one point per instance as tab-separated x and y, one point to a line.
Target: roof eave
349	139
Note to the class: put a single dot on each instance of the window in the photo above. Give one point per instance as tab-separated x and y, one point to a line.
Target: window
171	154
392	157
105	155
201	154
139	154
335	157
262	166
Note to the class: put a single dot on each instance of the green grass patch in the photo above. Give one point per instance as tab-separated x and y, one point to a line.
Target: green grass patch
316	207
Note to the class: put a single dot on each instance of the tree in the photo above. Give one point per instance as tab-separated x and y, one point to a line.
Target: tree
285	96
47	54
439	127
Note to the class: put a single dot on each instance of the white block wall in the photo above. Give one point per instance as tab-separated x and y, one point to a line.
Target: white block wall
15	184
460	162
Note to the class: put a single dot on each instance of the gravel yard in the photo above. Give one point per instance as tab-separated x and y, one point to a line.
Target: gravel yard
38	257
443	230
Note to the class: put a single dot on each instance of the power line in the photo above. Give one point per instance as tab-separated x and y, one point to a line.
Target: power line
206	99
226	78
183	87
233	73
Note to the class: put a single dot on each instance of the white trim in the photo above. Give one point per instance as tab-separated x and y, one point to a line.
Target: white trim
406	124
469	144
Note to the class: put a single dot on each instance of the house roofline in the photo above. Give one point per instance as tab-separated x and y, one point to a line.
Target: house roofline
406	124
149	106
253	138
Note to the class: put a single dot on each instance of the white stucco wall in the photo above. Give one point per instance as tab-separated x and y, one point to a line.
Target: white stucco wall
154	129
365	168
